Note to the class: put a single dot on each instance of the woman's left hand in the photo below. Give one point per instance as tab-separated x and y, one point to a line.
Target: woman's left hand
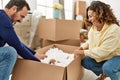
78	52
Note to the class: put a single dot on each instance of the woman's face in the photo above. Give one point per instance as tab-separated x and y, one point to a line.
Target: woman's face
92	17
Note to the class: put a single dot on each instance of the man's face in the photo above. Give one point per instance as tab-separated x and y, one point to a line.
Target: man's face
19	15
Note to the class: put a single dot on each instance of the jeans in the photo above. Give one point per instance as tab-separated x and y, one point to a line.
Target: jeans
8	56
110	67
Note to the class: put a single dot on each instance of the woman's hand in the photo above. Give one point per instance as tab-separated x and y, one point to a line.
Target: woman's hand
80	48
40	56
78	52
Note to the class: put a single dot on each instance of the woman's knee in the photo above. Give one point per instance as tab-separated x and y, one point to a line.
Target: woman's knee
112	66
107	68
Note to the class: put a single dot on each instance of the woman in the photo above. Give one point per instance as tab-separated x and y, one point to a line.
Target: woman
102	50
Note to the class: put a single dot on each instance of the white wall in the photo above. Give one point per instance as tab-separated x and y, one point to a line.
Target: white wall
4	3
115	5
33	4
0	4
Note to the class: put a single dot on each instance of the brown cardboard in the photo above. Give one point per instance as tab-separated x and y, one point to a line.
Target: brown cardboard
32	70
72	42
81	8
57	29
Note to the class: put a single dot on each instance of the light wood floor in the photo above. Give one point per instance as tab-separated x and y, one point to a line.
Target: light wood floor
89	75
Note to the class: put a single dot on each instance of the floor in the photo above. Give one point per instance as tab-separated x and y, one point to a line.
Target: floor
89	75
10	77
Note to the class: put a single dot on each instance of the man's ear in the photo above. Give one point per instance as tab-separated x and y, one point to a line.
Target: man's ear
14	9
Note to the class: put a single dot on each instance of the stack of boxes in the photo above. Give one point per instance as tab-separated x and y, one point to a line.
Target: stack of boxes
80	11
80	8
55	31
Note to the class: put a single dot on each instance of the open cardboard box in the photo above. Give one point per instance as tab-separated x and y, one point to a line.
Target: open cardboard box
32	70
58	29
72	42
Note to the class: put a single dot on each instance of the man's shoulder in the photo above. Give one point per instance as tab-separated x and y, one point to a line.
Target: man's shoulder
4	19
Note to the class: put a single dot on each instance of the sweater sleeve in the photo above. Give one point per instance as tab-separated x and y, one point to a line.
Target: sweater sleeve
8	34
85	45
33	52
108	44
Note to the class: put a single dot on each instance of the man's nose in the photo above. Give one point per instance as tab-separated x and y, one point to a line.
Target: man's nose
20	20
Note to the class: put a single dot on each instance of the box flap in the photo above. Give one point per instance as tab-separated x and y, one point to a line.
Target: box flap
46	28
72	42
58	29
74	70
32	70
24	69
66	48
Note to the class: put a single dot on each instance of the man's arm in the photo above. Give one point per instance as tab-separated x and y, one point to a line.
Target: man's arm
8	35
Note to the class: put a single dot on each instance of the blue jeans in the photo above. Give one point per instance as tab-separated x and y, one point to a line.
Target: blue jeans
110	67
8	56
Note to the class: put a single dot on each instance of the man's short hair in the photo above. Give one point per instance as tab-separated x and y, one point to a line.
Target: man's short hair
18	3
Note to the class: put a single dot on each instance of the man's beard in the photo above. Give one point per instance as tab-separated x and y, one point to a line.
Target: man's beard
12	19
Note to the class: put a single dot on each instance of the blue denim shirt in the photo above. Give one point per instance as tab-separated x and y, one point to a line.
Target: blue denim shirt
8	35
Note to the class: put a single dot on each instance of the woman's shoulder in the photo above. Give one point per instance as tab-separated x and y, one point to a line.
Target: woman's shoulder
114	28
114	25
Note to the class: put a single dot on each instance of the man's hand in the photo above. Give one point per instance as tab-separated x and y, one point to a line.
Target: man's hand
40	56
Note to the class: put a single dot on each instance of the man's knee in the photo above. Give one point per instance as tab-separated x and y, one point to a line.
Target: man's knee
11	52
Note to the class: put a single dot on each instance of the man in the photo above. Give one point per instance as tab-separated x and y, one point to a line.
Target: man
14	12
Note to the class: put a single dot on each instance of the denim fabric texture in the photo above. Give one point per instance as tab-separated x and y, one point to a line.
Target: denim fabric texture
8	56
110	67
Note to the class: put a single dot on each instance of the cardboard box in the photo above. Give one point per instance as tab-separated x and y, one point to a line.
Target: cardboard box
32	70
81	8
72	42
56	29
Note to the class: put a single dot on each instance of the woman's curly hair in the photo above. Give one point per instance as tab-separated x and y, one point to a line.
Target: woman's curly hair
103	11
